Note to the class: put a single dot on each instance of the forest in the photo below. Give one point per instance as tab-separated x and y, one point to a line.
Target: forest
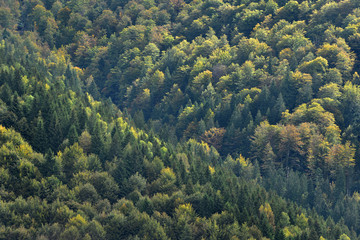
180	119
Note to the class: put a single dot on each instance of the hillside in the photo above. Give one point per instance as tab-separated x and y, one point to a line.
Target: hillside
179	119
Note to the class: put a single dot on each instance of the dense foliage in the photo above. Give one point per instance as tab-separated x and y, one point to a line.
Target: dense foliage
156	119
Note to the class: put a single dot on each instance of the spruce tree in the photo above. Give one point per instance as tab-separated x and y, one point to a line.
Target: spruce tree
40	140
288	90
97	139
277	110
55	131
72	134
6	94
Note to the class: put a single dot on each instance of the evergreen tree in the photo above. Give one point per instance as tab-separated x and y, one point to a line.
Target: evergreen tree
55	131
97	140
288	90
39	136
6	93
72	134
277	110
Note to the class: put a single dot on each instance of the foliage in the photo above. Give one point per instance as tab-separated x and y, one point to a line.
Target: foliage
207	119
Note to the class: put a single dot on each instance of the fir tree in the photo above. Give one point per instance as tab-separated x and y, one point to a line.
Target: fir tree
277	110
72	134
97	139
39	137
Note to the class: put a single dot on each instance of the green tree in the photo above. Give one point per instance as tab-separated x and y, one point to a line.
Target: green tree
72	134
85	141
73	160
290	147
40	136
98	139
278	109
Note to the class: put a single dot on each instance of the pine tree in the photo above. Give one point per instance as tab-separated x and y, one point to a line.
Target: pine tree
6	94
72	79
23	127
18	84
15	106
288	90
97	140
55	132
116	144
258	118
269	159
94	90
263	99
277	110
72	134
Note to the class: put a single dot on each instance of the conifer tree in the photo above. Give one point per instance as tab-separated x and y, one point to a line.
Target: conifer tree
288	90
6	93
39	137
97	139
55	131
277	110
72	134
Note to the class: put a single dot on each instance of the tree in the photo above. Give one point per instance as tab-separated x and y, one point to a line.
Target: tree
64	15
98	139
55	131
267	211
105	186
331	90
277	110
137	182
95	230
318	65
40	137
311	112
289	12
341	157
288	89
246	76
337	57
6	93
290	147
344	237
264	134
271	7
70	233
214	137
251	48
73	160
247	20
44	23
302	221
333	75
106	23
88	193
72	134
200	81
165	182
269	160
6	18
85	141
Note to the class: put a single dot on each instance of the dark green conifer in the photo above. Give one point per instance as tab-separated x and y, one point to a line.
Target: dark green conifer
277	110
72	134
40	140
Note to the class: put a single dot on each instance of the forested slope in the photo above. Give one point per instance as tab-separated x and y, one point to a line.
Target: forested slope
248	110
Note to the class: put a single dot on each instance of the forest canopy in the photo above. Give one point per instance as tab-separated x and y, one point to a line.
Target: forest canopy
180	119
